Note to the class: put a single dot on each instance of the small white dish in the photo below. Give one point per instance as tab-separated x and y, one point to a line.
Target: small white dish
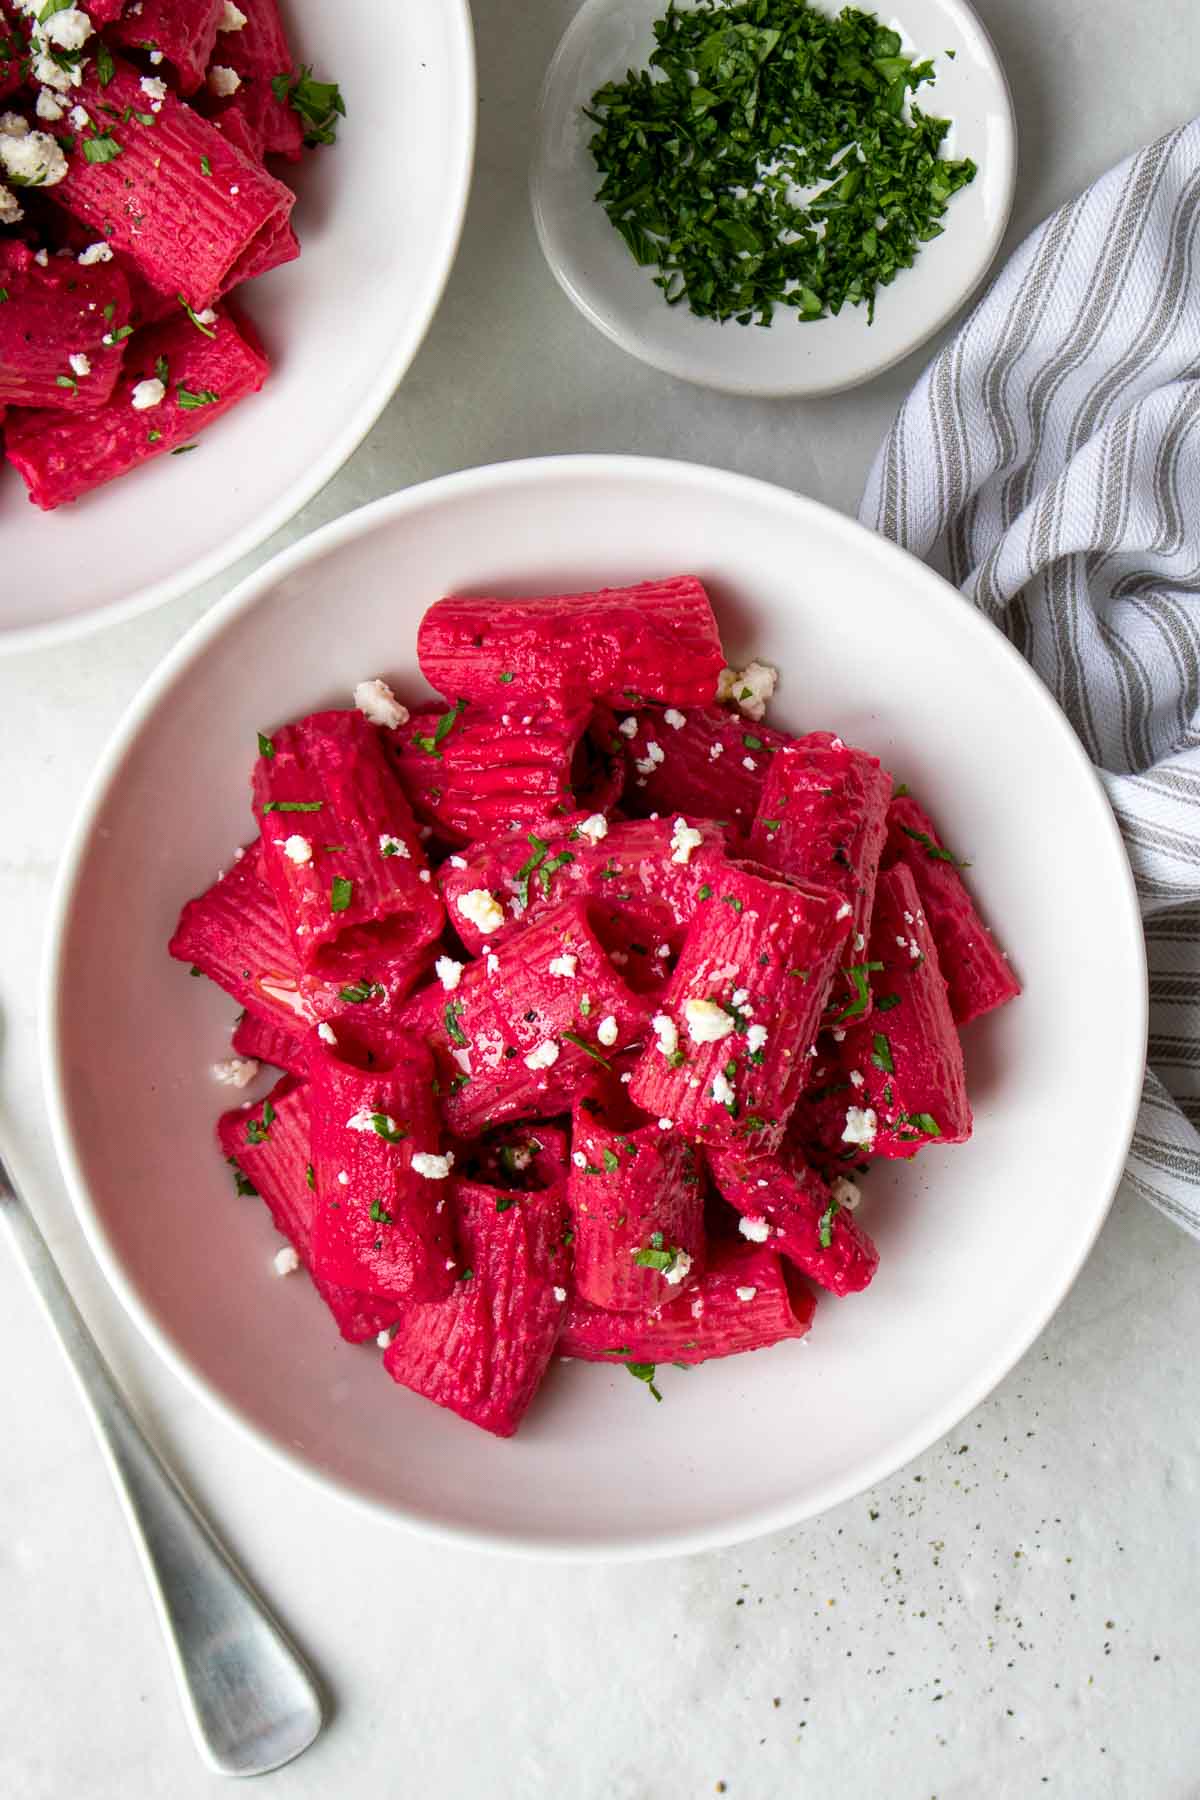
978	1244
379	217
593	265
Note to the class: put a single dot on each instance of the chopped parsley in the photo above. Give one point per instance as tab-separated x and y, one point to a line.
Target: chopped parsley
611	1161
384	1128
825	1224
102	149
241	1181
505	677
205	166
190	398
937	851
340	894
106	68
881	1053
572	1037
380	1213
885	1002
541	851
548	870
271	806
445	726
257	1130
318	103
265	746
310	1176
356	993
729	900
859	978
451	1016
198	322
642	1372
705	157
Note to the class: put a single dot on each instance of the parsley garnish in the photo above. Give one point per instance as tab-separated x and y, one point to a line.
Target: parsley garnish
65	381
548	870
506	677
541	851
340	894
656	1257
380	1213
106	68
452	1025
310	1176
728	900
271	806
257	1129
205	166
265	746
242	1182
359	991
102	149
384	1128
921	1122
445	725
825	1224
189	399
703	155
937	851
858	977
753	743
208	331
319	103
881	1053
641	1372
885	1002
573	1037
184	448
611	1161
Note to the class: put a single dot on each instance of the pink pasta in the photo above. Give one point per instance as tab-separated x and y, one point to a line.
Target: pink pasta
977	972
657	641
592	997
380	1219
483	1352
176	382
61	330
340	847
267	1148
748	1299
741	1010
637	1204
259	55
182	31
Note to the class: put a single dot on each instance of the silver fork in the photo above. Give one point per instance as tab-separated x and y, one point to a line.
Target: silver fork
250	1702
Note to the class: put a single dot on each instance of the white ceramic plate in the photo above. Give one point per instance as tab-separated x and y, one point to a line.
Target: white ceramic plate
979	1244
379	218
592	264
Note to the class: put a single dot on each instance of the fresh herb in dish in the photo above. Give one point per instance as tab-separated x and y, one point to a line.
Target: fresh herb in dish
772	155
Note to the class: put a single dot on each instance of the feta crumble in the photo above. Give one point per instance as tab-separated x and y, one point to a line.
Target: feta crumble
49	106
750	687
223	81
667	1033
326	1033
714	751
343	1178
722	1092
364	1120
384	1338
286	1261
596	827
757	1230
393	846
297	849
563	965
67	30
448	972
748	762
31	158
236	1071
684	839
232	17
80	364
377	703
11	210
861	1126
845	1192
707	1022
482	909
544	1057
674	718
663	1124
745	1293
628	727
155	90
607	1031
147	394
579	1159
678	1270
560	1294
756	1037
433	1168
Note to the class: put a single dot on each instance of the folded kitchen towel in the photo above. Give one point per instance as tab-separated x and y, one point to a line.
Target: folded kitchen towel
1048	463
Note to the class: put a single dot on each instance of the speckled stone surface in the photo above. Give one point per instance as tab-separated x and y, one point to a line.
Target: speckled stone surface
1017	1613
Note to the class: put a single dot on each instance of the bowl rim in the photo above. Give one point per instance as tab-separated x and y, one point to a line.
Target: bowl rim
448	489
343	444
612	324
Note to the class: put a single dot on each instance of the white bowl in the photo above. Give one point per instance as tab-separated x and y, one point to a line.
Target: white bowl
379	218
593	266
979	1244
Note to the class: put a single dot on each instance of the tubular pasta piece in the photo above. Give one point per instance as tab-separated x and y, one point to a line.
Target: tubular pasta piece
381	1229
656	641
482	1353
51	316
259	53
710	1321
184	30
799	1208
277	1166
758	960
712	767
62	457
266	1042
637	1205
354	890
977	974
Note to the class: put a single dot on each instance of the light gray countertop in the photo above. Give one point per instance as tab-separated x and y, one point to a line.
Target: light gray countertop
1016	1613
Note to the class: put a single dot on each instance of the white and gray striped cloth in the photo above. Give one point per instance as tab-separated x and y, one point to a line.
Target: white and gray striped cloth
1048	463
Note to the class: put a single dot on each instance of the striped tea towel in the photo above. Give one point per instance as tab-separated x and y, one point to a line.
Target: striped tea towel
1048	462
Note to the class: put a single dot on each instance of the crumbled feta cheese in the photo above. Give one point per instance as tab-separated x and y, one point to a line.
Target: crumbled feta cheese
757	1230
343	1178
236	1071
11	210
663	1124
286	1261
748	762
95	253
678	1270
663	950
707	1022
79	119
424	875
67	30
563	965
384	1338
544	1057
628	727
393	846
856	1078
607	1031
750	687
861	1126
860	942
448	972
595	828
457	862
42	258
155	90
491	962
482	909
579	1159
326	1033
32	158
81	365
206	316
722	1092
52	74
364	1120
232	17
739	998
845	1192
147	394
297	849
666	1032
745	1293
646	765
715	750
560	1294
223	81
156	57
756	1037
844	910
674	718
433	1168
376	702
49	106
684	839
